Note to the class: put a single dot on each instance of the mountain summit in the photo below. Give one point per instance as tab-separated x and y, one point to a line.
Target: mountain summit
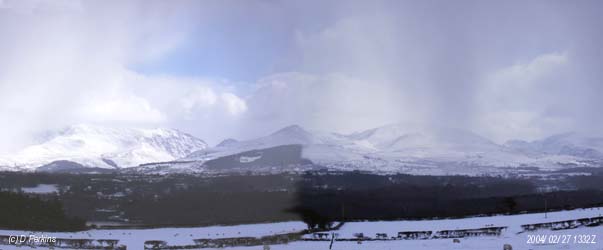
290	135
414	150
391	148
568	144
104	147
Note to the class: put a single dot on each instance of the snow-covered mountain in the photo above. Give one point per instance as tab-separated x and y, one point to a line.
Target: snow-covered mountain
391	148
411	149
382	141
396	136
569	144
104	147
291	135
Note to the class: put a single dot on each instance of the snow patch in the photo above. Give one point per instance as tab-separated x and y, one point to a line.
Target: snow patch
41	189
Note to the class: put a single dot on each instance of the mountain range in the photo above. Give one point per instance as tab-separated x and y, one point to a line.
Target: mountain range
104	147
414	150
391	148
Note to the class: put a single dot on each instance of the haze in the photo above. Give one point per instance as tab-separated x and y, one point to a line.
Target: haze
219	69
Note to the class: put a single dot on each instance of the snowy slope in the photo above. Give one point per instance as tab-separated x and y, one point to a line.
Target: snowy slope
392	148
418	150
445	144
398	136
286	136
95	146
450	146
569	144
135	238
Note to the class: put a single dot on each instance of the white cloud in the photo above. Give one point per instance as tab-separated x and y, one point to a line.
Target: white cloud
358	65
119	109
528	73
234	105
68	62
202	99
514	101
199	97
334	102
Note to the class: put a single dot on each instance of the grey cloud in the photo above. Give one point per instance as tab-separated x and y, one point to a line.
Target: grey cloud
336	65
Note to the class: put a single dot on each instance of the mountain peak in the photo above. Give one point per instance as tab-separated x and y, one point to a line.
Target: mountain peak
227	142
92	145
290	135
291	130
403	135
569	144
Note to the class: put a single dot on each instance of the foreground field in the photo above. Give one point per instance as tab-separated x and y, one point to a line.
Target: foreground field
513	235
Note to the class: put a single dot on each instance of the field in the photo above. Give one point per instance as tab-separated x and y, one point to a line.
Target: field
285	210
135	238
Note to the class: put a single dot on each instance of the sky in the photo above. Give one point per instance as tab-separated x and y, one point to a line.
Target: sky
241	69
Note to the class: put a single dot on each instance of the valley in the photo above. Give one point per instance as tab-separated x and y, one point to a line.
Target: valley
129	200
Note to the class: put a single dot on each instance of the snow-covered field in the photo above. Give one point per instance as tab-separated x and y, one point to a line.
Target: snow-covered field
41	189
518	242
513	222
510	236
134	238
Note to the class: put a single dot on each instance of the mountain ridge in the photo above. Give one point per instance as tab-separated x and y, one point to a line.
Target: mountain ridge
392	148
106	147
